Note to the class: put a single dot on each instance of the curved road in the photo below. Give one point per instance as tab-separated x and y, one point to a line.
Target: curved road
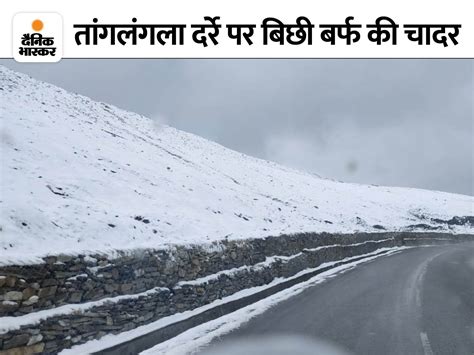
420	301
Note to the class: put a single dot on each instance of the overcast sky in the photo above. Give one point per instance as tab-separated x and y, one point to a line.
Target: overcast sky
387	122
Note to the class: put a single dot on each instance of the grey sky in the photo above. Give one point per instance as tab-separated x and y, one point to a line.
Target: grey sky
387	122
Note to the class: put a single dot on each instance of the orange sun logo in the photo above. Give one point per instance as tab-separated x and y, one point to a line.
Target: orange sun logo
37	25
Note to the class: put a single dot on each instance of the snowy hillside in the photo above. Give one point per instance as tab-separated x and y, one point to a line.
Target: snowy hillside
79	175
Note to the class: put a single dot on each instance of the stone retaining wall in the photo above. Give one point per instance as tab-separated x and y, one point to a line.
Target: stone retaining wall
159	283
66	279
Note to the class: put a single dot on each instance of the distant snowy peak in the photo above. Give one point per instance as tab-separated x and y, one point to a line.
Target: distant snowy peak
79	175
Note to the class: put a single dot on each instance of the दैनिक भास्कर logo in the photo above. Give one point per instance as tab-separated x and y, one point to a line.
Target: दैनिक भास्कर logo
37	37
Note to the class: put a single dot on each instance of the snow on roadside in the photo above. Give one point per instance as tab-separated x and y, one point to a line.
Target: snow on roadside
195	339
79	176
230	321
15	322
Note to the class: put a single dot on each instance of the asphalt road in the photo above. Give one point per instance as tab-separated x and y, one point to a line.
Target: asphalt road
420	301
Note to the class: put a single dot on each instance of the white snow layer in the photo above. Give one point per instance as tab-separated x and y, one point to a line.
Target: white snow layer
79	176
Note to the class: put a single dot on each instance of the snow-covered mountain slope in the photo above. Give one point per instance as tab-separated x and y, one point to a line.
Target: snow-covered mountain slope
79	175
